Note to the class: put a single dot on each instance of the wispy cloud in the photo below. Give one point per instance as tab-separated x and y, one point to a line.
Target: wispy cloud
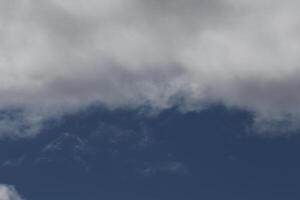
169	167
14	162
65	148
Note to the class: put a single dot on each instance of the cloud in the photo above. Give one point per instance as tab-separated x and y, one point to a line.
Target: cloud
170	167
61	55
16	162
19	124
8	192
66	148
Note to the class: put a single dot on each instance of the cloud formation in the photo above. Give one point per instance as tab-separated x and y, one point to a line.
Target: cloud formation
170	167
61	55
9	193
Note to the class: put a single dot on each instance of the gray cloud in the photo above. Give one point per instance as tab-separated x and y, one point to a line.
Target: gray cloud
61	55
8	192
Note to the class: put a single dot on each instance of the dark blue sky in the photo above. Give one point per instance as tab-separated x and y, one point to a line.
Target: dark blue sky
100	154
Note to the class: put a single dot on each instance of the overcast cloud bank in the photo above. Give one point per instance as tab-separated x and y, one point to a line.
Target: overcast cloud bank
60	55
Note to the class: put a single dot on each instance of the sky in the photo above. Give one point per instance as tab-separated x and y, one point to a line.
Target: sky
149	99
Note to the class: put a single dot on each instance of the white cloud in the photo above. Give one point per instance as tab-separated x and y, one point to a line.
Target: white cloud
60	55
8	192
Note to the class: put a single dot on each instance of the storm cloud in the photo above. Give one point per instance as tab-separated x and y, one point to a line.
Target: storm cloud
57	56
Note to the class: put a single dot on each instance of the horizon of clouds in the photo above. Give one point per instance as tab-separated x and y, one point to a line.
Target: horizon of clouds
60	56
8	192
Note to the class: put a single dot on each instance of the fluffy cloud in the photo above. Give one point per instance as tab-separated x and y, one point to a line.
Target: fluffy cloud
9	193
61	55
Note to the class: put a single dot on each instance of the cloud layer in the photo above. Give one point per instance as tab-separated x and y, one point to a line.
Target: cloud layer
61	55
9	193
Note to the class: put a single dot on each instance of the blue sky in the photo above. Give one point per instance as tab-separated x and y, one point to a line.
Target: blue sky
149	99
124	154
